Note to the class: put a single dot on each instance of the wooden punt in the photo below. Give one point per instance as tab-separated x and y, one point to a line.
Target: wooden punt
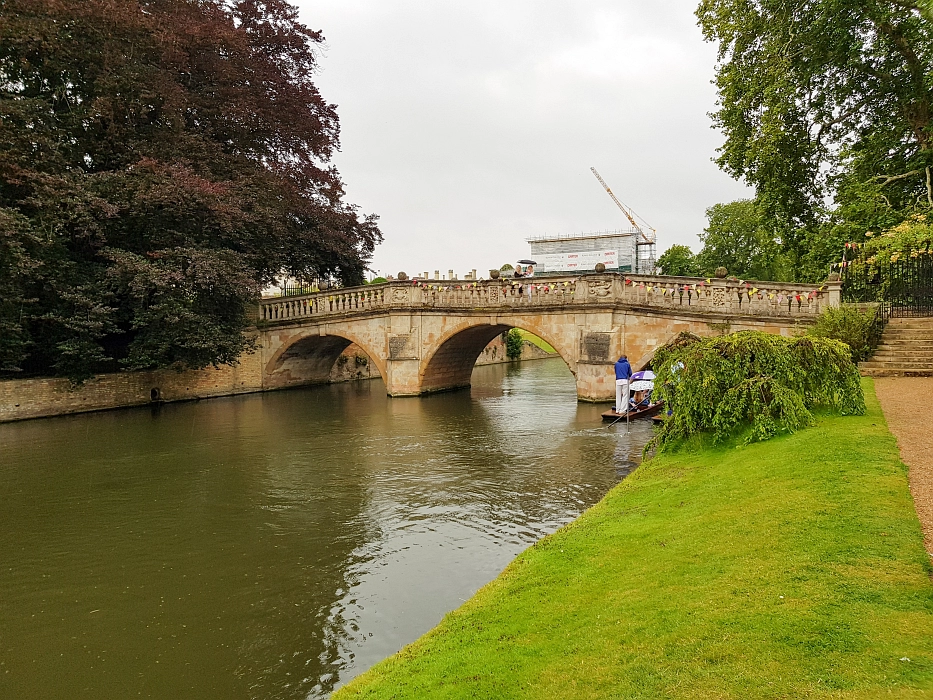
644	412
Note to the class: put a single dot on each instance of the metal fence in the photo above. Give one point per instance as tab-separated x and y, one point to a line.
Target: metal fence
902	288
899	289
294	290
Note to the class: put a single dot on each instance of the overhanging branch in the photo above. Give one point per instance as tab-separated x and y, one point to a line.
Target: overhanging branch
888	179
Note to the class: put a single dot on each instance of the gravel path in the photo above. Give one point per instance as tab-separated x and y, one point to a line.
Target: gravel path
906	403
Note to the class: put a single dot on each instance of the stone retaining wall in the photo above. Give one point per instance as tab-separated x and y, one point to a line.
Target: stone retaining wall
35	398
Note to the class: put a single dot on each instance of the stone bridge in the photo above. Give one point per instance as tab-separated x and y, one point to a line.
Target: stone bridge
425	336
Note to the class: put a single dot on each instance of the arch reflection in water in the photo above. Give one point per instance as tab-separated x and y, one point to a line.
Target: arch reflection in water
274	546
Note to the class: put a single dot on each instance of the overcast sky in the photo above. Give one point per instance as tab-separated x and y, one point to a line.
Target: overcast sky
470	126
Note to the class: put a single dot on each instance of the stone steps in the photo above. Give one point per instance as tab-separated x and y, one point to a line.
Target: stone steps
902	359
910	322
905	342
879	372
896	364
910	333
906	350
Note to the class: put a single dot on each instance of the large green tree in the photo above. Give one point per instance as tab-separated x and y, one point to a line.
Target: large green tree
823	99
160	161
736	238
680	261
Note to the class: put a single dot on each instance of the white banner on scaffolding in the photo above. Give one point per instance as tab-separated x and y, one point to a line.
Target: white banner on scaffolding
573	262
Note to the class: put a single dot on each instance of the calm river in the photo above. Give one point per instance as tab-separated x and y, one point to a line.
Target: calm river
274	546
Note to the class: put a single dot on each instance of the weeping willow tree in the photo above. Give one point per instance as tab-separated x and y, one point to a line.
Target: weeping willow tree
751	384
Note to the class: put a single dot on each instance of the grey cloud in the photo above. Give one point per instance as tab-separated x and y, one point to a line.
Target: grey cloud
470	126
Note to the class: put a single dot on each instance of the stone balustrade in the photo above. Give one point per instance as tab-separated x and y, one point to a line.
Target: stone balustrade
716	297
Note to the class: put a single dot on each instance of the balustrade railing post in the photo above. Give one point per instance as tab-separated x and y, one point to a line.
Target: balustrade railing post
834	292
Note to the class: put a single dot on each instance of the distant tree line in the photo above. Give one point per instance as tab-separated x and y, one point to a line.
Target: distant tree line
160	162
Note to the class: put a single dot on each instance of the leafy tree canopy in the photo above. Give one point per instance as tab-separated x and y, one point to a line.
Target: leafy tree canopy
910	238
513	343
736	238
160	161
826	99
679	260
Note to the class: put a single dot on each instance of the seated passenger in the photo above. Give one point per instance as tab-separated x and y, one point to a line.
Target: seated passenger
640	399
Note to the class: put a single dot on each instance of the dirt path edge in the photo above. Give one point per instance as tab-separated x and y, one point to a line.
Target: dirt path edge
907	404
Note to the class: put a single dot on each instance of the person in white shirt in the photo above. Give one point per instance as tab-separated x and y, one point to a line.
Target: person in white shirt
529	272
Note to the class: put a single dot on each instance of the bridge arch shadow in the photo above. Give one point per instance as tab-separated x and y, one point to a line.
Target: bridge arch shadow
309	359
450	365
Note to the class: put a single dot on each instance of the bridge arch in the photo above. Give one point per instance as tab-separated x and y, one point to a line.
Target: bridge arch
450	362
308	358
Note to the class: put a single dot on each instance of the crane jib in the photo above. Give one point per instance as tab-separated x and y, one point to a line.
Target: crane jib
629	214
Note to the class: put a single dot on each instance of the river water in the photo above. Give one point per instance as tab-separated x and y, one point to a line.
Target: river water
275	545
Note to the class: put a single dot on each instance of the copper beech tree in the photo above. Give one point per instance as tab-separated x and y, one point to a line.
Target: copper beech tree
160	161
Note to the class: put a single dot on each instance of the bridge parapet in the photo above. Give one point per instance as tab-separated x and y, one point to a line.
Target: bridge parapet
716	297
728	298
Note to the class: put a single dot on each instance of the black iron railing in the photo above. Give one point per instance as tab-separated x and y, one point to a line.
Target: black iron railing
901	288
878	322
293	290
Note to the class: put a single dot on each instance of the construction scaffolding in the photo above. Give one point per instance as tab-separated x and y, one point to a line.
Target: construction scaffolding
581	252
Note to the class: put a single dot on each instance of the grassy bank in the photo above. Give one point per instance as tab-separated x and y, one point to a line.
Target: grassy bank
535	340
787	569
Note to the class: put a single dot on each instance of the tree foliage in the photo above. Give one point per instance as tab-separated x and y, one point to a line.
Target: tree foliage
751	382
824	99
680	261
160	161
910	238
736	238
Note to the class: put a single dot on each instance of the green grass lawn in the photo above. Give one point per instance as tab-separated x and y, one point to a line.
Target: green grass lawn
792	568
535	340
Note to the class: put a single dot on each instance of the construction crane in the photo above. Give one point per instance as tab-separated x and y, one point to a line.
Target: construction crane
644	249
628	212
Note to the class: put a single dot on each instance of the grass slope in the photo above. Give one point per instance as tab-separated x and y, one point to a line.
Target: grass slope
535	340
788	569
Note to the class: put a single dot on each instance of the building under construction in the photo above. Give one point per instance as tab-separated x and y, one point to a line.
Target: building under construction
619	251
631	250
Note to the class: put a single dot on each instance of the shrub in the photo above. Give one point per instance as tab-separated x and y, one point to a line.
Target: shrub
848	325
751	382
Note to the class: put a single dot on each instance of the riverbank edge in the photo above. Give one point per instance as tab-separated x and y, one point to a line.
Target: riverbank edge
790	568
47	397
